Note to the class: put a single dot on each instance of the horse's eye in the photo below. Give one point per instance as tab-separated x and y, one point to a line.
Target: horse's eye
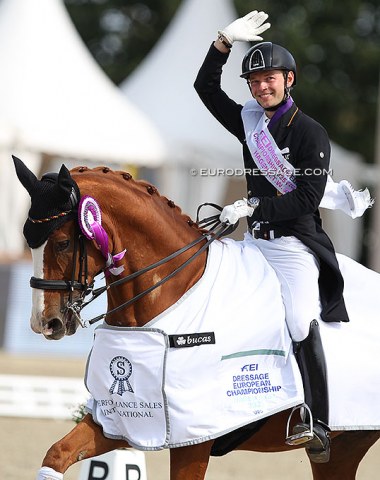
62	246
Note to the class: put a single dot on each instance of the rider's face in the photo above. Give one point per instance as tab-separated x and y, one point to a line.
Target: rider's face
268	87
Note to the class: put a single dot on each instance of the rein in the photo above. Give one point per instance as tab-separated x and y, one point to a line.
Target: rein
221	231
215	232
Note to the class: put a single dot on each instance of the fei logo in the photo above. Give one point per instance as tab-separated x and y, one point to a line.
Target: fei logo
250	367
121	370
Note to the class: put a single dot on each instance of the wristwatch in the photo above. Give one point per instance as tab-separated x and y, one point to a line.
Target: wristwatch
254	202
223	40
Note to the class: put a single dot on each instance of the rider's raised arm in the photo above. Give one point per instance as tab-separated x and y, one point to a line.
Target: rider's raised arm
208	81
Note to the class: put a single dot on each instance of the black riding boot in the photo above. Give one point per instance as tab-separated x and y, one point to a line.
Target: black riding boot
311	361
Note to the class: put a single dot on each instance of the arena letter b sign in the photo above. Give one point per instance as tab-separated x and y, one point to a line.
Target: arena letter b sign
100	470
117	465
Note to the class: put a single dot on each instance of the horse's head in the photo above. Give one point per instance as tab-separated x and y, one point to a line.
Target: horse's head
61	273
72	238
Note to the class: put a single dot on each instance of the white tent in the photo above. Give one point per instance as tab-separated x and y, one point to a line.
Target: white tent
162	86
56	100
54	97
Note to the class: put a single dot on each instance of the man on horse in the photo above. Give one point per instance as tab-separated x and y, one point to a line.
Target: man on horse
286	156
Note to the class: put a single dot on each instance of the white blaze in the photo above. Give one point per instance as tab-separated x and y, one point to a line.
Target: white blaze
37	294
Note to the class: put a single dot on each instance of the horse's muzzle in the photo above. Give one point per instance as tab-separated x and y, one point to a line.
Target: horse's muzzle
53	329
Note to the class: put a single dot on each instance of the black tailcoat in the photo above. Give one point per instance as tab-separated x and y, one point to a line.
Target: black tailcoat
295	213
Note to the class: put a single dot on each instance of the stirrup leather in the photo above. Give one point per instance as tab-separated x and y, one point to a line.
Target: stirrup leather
302	437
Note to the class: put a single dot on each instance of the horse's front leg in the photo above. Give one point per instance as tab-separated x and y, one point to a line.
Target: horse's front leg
190	463
85	440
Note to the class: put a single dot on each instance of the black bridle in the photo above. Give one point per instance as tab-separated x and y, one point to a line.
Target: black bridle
77	282
80	281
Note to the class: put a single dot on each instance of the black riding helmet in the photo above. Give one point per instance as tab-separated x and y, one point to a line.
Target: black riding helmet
268	56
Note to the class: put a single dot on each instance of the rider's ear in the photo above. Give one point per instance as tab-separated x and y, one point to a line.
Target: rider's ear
289	79
26	177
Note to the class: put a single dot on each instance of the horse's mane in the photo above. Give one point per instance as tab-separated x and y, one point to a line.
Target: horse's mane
141	185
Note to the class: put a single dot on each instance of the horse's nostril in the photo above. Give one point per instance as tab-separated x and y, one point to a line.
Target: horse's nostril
52	326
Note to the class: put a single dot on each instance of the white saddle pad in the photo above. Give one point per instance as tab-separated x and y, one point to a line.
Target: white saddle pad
221	358
352	352
229	364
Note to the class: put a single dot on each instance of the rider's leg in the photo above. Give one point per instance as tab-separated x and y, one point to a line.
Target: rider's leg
311	361
298	272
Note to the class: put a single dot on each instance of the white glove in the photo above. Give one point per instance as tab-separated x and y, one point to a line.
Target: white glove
231	213
247	28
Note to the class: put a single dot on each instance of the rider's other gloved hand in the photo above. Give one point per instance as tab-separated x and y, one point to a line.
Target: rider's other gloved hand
231	213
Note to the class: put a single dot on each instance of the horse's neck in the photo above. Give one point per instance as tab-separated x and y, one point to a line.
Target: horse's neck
153	239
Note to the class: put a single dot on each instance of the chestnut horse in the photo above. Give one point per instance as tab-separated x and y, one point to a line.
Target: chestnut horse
136	217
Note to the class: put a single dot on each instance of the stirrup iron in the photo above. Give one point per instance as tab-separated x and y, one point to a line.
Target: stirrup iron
302	437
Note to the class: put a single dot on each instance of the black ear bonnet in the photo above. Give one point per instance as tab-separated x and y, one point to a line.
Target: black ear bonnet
54	201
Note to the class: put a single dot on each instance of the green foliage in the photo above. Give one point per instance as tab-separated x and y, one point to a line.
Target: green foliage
336	46
79	413
120	33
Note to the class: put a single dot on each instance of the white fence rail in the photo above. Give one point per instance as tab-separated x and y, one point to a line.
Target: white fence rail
40	397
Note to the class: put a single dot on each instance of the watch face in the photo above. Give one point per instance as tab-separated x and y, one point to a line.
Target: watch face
254	202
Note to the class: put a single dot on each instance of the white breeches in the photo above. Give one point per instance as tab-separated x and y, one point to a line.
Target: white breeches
298	270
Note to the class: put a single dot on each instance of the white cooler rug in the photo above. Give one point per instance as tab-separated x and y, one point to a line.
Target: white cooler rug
221	358
352	352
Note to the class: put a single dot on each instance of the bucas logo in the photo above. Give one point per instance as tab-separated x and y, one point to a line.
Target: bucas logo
192	339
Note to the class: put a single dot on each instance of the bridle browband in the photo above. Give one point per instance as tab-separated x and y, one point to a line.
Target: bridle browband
216	231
